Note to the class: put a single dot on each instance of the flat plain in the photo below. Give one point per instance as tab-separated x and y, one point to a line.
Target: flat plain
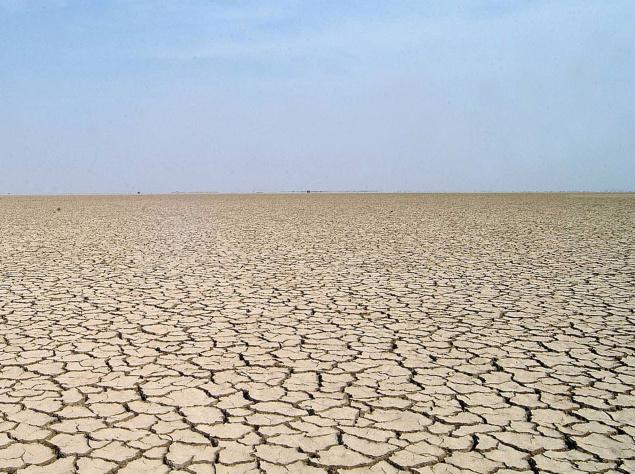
318	333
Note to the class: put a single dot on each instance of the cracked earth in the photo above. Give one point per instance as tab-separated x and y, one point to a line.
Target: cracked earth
317	334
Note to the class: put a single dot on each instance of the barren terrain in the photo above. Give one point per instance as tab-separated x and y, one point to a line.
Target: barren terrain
317	333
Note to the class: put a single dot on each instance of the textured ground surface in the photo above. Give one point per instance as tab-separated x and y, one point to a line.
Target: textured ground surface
317	333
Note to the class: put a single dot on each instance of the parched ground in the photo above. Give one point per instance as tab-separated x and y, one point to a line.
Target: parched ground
317	333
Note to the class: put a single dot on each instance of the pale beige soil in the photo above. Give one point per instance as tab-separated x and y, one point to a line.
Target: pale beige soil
317	333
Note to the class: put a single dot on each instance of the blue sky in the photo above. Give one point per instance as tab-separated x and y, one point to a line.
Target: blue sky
161	96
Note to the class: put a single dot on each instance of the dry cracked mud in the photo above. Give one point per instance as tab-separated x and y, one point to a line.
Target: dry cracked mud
317	333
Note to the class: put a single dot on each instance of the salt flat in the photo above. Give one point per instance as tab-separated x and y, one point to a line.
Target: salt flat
317	333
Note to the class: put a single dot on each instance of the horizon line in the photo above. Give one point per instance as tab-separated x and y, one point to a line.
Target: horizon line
310	191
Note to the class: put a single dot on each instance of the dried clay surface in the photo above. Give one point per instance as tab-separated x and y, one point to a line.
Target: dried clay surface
317	333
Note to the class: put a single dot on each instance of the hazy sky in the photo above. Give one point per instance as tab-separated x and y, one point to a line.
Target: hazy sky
162	96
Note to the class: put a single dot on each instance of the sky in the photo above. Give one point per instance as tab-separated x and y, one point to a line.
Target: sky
250	96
